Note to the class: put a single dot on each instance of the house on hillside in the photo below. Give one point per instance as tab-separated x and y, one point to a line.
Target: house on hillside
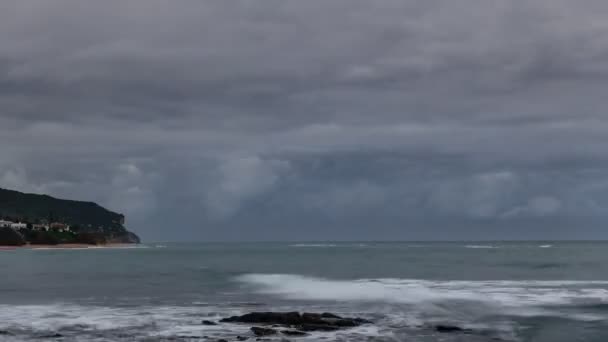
18	226
5	224
40	227
59	227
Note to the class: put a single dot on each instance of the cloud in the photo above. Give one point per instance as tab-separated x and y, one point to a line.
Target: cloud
132	191
241	179
218	113
537	206
479	196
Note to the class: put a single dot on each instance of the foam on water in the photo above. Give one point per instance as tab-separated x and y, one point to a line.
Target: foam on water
153	323
29	321
503	293
327	245
312	245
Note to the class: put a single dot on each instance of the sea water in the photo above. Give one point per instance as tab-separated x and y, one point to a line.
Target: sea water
501	291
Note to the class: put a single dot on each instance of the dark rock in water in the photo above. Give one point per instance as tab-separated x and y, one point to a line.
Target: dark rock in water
284	318
242	338
305	322
293	333
5	333
329	315
318	327
257	331
312	317
346	322
56	335
222	340
205	322
451	329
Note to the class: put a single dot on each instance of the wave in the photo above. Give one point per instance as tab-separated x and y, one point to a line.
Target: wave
326	245
114	323
505	246
503	293
142	323
308	245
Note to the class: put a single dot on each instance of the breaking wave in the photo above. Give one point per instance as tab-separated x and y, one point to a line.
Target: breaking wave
312	245
327	245
503	293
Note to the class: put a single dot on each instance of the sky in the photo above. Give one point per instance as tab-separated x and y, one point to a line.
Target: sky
313	120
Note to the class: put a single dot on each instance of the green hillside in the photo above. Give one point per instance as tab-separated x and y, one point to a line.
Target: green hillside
42	208
90	223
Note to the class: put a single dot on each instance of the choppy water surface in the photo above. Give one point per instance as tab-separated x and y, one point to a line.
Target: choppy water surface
532	291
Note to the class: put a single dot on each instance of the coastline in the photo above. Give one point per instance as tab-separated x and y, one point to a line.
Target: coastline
68	246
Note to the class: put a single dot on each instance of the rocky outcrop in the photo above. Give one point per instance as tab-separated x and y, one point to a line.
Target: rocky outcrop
451	329
257	331
10	237
127	237
302	323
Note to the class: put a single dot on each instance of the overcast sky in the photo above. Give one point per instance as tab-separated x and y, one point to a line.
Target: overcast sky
313	120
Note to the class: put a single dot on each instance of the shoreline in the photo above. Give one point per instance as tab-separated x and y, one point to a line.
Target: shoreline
68	246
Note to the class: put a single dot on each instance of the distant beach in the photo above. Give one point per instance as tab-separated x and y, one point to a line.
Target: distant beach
68	246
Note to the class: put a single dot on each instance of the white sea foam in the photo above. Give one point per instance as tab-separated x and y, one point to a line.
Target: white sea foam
545	246
481	246
139	323
327	245
309	245
166	320
503	293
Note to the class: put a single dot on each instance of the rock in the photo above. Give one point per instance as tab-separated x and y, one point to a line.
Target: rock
293	333
329	315
312	317
205	322
242	338
5	333
56	335
310	321
451	329
318	327
258	331
222	340
283	318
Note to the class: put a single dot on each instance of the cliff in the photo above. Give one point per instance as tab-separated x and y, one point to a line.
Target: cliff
90	222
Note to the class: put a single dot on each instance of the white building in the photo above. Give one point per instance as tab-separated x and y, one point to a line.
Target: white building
18	225
5	224
44	227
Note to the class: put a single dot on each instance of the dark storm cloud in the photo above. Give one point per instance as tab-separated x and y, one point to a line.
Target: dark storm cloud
264	119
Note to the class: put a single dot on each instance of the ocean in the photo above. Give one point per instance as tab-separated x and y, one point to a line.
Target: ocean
501	291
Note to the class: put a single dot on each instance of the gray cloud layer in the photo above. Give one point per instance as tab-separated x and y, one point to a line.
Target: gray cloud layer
312	119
